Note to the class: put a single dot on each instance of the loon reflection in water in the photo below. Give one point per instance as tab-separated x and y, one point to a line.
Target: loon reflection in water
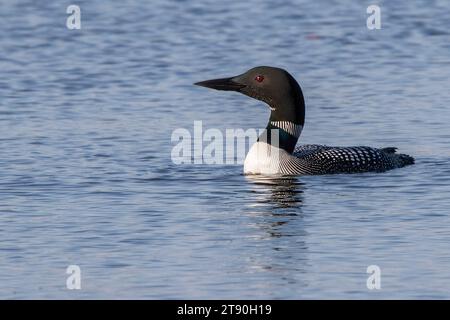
268	155
277	206
280	192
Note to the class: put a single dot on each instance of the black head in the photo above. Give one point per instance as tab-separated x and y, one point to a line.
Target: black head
274	86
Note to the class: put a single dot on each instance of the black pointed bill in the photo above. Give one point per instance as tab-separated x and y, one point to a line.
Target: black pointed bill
227	84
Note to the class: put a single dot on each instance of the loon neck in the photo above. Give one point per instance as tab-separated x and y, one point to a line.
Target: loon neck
281	134
288	104
288	117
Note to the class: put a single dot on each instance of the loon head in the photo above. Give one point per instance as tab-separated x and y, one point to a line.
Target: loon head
274	86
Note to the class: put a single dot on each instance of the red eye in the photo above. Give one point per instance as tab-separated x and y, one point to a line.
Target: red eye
259	78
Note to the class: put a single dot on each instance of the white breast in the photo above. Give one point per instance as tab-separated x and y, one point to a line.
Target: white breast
263	158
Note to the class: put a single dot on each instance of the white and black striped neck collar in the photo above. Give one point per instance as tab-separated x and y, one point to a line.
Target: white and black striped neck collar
288	134
290	127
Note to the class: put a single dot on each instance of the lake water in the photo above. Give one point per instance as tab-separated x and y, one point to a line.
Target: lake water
86	176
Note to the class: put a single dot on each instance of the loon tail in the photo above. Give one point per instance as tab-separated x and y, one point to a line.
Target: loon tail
400	158
405	160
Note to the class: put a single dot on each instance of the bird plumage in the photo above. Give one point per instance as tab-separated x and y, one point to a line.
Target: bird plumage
280	155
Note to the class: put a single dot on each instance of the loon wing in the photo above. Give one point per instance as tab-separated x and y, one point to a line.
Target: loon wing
319	159
309	149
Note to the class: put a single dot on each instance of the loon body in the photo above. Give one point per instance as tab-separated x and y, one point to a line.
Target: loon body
276	152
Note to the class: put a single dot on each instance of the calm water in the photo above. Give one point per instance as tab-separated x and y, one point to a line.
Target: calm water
86	177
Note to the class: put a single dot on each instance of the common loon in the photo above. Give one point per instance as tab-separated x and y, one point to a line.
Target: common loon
282	93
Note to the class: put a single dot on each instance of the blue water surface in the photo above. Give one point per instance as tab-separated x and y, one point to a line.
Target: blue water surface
86	176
